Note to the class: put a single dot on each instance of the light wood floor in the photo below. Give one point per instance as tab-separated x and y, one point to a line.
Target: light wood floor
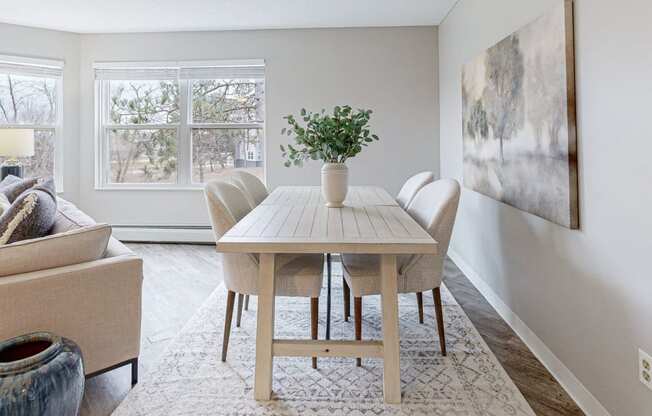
178	278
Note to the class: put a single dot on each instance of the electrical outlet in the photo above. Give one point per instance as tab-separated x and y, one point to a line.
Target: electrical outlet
645	368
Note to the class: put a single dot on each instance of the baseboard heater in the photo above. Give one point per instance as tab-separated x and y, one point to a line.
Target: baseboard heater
164	234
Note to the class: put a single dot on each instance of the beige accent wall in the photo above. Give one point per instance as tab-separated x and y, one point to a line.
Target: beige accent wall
390	70
64	46
586	294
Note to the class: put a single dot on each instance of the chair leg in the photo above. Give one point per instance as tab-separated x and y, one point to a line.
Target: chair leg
246	307
436	294
420	305
357	309
314	320
134	371
238	319
346	291
230	300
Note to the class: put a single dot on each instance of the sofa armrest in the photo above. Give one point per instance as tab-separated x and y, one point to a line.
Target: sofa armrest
115	248
96	304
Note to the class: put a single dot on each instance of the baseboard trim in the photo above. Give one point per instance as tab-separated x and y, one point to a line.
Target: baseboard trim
198	235
584	399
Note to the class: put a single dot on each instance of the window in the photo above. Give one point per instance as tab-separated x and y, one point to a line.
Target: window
178	125
30	97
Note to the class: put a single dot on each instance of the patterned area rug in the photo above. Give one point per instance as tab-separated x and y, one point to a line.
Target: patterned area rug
191	379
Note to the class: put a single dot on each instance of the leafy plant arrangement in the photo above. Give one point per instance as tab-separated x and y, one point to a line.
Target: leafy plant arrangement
331	138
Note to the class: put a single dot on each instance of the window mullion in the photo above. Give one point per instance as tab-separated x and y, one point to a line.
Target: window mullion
184	167
142	126
59	144
100	134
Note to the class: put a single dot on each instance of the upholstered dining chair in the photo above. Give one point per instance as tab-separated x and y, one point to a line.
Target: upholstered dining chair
434	208
412	186
253	188
296	275
404	198
255	192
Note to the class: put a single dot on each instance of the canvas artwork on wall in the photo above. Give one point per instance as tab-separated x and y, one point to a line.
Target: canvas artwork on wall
519	128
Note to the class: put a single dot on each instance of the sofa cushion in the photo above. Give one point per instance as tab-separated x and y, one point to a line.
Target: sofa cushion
69	217
12	186
4	203
73	247
31	215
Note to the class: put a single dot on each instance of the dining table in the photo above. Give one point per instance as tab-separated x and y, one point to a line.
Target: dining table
294	220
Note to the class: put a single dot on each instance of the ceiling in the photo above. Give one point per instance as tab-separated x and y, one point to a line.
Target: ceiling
117	16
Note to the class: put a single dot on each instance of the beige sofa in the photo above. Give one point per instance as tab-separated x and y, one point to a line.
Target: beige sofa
58	284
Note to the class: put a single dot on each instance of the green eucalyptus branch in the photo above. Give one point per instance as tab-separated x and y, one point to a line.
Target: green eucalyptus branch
331	138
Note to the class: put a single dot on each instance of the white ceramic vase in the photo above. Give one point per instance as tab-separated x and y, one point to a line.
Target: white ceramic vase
334	184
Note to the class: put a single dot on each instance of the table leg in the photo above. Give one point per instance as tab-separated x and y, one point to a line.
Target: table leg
328	297
265	328
391	364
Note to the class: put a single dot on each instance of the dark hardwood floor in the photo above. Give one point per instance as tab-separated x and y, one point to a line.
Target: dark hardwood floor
178	278
541	390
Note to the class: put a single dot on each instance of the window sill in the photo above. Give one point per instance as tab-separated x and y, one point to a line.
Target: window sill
150	188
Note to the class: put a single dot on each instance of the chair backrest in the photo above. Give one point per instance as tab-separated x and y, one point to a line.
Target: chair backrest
412	186
227	205
254	189
434	208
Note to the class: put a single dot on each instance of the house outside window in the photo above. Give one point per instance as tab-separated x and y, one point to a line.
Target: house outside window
178	125
31	97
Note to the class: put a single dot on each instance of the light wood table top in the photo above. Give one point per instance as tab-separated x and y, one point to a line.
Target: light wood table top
294	220
311	195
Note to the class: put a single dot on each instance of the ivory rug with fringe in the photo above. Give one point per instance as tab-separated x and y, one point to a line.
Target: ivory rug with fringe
191	379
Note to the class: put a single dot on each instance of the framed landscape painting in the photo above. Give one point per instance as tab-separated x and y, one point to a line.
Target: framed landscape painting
519	128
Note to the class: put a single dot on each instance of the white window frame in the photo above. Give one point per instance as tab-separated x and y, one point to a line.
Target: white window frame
43	68
184	127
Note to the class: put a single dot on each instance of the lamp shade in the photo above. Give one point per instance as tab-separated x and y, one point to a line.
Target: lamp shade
16	142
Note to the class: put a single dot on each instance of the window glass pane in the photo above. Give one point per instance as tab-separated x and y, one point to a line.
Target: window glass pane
42	163
27	100
217	152
143	156
228	101
143	102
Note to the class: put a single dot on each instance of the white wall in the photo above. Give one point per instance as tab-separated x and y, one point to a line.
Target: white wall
39	43
587	294
392	71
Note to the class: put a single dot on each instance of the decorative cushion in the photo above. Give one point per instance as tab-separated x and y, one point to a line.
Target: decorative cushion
12	186
4	203
69	218
73	247
31	215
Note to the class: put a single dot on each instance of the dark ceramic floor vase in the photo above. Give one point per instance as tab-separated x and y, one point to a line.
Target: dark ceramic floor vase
40	374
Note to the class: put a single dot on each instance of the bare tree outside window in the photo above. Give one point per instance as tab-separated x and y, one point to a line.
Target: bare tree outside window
150	135
214	152
222	148
143	155
31	101
228	101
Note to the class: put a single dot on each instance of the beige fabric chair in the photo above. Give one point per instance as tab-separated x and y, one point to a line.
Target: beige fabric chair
296	275
404	198
434	208
254	190
91	297
412	186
